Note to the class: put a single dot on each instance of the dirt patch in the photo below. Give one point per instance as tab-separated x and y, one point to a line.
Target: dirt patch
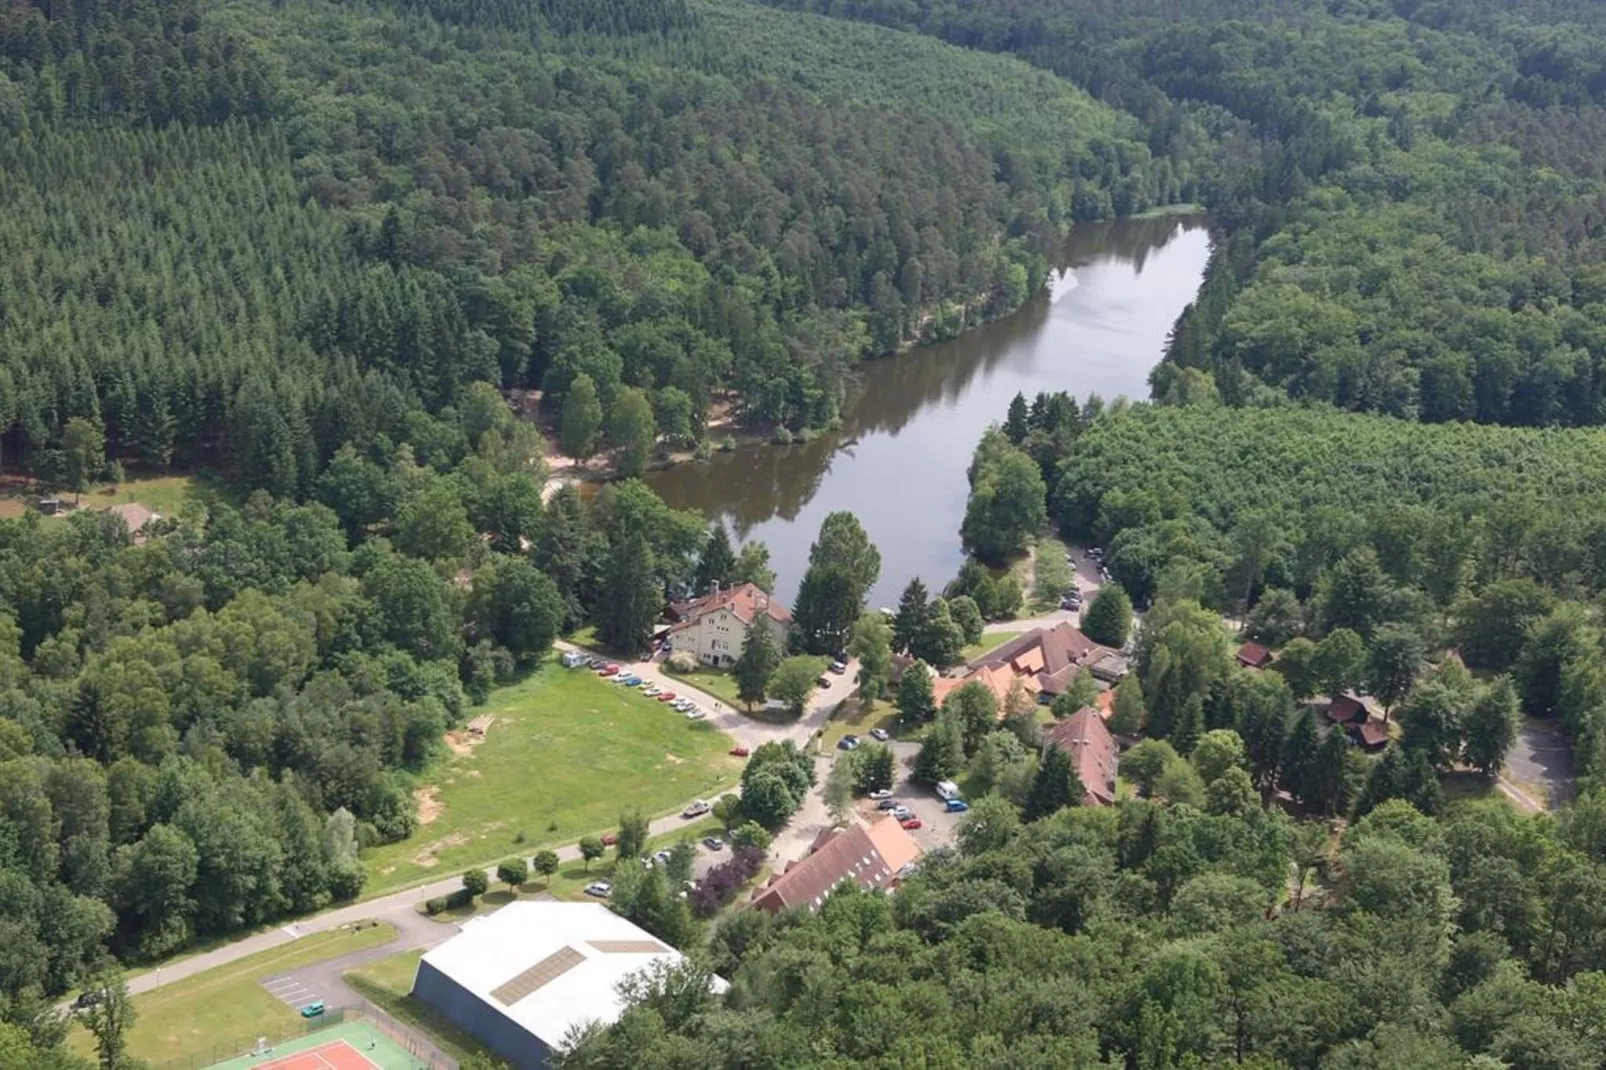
674	759
429	806
460	744
426	858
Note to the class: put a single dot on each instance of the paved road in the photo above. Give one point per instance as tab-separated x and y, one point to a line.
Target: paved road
413	930
1541	759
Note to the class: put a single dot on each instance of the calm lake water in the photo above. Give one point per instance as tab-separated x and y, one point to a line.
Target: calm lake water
899	459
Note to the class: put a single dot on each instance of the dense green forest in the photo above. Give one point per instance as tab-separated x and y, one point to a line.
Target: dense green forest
1140	937
267	230
1409	195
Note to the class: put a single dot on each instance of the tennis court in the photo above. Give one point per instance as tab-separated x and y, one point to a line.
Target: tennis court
353	1045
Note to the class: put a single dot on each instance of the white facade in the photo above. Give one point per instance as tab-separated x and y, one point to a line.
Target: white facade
716	638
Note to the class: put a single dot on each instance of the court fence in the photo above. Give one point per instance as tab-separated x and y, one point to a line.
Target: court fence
417	1044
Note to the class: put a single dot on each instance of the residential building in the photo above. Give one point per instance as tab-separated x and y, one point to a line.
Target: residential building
873	857
1093	753
521	979
1043	660
713	627
136	516
1254	656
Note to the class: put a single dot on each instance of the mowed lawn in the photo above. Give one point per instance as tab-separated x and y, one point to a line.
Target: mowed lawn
388	983
989	641
716	682
566	753
220	1013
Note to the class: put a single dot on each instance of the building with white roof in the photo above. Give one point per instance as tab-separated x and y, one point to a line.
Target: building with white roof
521	979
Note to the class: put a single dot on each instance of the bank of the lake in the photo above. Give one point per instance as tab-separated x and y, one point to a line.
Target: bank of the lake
898	459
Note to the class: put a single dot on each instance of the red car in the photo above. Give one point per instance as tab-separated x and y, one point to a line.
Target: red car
608	670
910	823
740	752
609	839
666	696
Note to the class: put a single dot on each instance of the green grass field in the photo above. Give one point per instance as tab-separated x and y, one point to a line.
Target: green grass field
989	641
716	682
386	982
564	756
218	1013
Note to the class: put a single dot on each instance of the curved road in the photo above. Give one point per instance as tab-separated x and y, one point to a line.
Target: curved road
413	929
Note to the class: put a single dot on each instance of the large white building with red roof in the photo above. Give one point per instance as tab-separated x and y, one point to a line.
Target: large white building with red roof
713	627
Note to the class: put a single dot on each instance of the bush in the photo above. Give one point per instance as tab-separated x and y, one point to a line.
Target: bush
459	899
435	906
475	882
681	661
719	887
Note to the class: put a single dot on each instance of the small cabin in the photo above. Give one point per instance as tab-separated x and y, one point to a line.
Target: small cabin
50	506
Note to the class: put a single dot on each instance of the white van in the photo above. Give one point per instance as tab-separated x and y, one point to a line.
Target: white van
947	789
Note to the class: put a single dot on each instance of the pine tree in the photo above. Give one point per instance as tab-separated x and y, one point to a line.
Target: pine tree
910	621
1127	717
756	663
631	598
717	562
1055	786
1016	426
1301	752
940	642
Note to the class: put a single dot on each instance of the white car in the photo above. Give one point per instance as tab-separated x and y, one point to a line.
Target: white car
684	705
696	808
695	714
600	889
884	793
650	690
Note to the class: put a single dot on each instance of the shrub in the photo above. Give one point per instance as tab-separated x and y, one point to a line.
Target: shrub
681	661
435	906
719	887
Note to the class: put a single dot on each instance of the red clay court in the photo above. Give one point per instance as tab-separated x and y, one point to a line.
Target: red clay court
339	1055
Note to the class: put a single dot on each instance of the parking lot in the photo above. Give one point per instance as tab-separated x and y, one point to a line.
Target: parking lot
937	825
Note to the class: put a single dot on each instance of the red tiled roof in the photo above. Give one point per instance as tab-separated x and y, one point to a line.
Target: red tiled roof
1051	656
1373	733
744	602
1083	736
1254	656
1344	709
872	857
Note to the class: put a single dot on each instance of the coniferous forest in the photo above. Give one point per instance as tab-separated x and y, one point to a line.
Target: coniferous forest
307	246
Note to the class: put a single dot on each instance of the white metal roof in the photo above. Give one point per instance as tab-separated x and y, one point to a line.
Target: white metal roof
497	949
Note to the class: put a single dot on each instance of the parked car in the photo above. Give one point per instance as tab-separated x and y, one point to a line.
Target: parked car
823	681
847	743
661	857
666	696
910	823
596	662
839	667
684	705
902	813
631	681
696	808
695	714
956	806
740	752
608	670
1070	604
312	1010
884	793
652	691
888	804
714	843
879	735
600	889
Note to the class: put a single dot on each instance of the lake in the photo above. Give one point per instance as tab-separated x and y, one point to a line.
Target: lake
898	461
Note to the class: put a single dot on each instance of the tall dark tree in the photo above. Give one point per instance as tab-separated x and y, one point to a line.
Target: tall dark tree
757	662
910	620
1055	786
1016	426
631	598
717	563
843	565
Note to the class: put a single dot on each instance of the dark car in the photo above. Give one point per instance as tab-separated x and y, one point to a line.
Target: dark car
824	681
847	743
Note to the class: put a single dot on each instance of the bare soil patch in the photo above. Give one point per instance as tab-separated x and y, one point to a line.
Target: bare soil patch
429	806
